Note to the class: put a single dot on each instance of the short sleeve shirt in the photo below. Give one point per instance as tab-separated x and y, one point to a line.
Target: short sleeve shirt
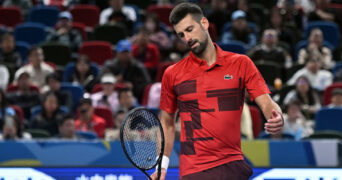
210	102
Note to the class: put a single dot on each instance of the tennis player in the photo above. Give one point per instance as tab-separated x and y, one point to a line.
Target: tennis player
207	87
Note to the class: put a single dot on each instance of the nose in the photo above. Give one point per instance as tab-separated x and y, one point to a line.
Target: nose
187	37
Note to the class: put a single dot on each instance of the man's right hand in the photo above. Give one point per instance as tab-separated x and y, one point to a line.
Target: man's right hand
154	176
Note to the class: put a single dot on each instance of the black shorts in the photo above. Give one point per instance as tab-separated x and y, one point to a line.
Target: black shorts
236	170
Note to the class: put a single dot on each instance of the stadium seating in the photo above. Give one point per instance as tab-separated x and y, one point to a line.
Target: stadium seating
105	33
70	68
233	46
97	51
81	28
76	91
22	47
57	53
328	119
47	15
270	71
162	11
87	135
331	32
106	114
32	33
14	87
328	91
10	16
86	14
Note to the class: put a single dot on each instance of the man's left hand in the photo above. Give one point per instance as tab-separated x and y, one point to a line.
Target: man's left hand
275	124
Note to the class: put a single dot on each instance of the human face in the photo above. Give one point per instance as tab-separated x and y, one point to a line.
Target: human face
82	67
24	82
302	85
67	129
36	57
108	88
240	24
86	111
193	33
54	84
336	100
51	104
127	99
8	44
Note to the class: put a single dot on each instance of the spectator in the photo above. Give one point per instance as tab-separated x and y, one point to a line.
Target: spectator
107	97
146	52
88	121
287	35
4	108
24	5
219	14
291	15
324	13
319	79
37	68
12	129
309	99
83	74
240	31
315	47
24	97
336	98
117	6
53	82
157	35
65	33
269	50
66	127
127	69
8	55
49	115
126	100
294	120
5	77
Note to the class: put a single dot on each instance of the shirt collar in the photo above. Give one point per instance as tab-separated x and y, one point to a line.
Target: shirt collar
219	57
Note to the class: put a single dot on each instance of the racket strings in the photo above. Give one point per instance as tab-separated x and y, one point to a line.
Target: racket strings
142	138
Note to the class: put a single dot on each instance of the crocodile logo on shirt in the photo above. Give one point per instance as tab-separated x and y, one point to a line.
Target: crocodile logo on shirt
228	77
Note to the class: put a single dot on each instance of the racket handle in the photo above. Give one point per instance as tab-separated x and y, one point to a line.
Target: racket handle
159	169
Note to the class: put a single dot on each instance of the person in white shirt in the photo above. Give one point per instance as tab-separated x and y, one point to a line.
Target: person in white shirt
114	6
108	97
37	68
4	74
319	79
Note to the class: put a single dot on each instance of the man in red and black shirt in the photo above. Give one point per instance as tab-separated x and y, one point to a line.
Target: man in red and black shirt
208	89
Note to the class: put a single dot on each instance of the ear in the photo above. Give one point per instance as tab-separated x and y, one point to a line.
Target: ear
205	23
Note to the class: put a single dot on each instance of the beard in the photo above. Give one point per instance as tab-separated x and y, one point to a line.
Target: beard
200	48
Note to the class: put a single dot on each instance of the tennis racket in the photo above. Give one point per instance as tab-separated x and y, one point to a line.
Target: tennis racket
142	139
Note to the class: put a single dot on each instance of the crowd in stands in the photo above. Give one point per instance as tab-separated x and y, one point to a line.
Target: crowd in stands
72	69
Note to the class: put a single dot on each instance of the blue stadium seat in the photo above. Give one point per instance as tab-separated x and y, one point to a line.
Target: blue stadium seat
228	25
86	135
22	47
328	119
331	32
233	46
37	109
71	67
32	33
76	91
47	15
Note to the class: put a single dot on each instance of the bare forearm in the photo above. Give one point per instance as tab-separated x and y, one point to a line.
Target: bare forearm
168	125
267	109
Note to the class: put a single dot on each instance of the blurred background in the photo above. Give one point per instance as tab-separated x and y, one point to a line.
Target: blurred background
70	70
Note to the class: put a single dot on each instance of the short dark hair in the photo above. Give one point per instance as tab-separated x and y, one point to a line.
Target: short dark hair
183	9
123	90
32	49
64	118
85	101
54	76
6	36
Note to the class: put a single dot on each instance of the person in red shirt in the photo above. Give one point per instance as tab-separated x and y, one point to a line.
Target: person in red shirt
88	121
145	51
208	88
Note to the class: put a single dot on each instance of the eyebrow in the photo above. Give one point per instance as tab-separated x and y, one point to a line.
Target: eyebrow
186	29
